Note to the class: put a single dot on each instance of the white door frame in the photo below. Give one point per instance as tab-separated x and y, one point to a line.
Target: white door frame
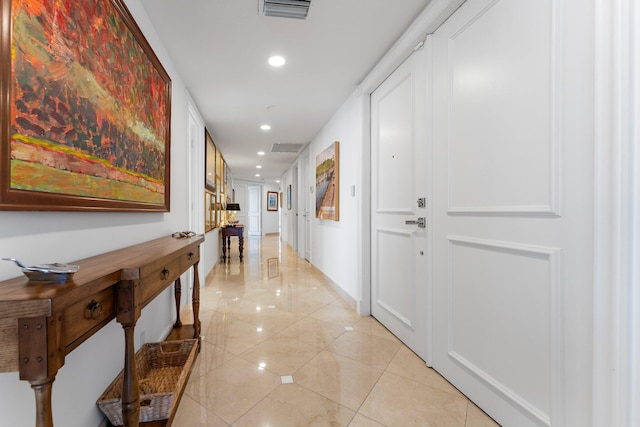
617	287
293	239
195	174
303	202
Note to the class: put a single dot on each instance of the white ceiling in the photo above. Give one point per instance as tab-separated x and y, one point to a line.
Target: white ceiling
221	47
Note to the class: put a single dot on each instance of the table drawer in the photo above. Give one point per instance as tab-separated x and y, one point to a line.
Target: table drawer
188	259
84	318
158	280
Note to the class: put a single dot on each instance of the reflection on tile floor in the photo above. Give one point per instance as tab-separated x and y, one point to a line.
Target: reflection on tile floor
262	322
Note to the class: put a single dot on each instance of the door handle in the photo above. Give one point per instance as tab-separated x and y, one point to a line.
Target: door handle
421	222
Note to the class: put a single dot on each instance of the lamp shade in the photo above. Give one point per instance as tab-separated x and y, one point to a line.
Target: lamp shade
233	207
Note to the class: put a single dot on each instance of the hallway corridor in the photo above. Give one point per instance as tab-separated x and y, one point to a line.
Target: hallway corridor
280	348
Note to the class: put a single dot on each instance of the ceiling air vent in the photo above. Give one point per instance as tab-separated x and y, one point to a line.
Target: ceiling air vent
286	148
296	9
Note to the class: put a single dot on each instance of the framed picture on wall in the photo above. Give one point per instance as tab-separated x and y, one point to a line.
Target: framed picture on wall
281	199
289	197
328	183
272	201
208	211
85	110
210	163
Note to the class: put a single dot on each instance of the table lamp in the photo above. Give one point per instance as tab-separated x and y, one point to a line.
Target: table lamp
232	208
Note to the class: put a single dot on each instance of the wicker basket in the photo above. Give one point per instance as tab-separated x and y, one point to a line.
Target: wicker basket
163	369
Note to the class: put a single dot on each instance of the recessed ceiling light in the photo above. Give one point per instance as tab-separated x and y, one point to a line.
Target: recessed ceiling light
257	174
259	167
265	127
260	153
276	61
277	181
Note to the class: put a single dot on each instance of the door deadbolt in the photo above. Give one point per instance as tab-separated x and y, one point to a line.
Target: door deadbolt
422	202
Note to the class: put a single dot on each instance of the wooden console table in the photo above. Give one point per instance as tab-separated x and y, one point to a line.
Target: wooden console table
227	232
41	322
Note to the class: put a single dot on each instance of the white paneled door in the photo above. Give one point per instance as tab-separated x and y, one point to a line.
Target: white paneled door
399	179
513	145
254	211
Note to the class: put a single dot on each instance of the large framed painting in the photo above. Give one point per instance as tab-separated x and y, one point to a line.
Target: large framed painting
328	183
84	109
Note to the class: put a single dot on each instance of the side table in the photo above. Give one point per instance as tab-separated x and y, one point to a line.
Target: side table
228	232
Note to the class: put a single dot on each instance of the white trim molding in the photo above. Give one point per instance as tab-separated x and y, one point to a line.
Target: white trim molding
616	399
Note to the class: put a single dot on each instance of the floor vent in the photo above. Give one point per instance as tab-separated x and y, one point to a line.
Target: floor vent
296	9
286	148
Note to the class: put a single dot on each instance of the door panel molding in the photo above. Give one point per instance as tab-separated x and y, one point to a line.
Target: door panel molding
400	239
397	231
404	211
503	390
395	145
554	337
396	314
516	149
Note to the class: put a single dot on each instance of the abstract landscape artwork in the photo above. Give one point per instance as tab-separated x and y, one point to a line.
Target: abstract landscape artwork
86	123
328	183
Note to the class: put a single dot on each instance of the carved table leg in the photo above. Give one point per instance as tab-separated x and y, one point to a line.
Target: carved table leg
42	391
130	387
241	245
196	303
224	249
178	295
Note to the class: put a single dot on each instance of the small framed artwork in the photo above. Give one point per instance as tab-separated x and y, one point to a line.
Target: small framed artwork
281	199
289	197
272	201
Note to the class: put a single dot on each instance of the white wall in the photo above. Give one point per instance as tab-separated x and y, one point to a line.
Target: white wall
335	244
210	253
270	219
40	237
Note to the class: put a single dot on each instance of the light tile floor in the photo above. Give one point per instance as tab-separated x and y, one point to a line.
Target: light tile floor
274	316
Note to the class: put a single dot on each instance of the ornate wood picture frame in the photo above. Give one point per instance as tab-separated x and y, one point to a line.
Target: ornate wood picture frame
85	109
210	162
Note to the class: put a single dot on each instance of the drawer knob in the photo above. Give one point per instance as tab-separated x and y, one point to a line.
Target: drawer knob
94	310
164	274
190	256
